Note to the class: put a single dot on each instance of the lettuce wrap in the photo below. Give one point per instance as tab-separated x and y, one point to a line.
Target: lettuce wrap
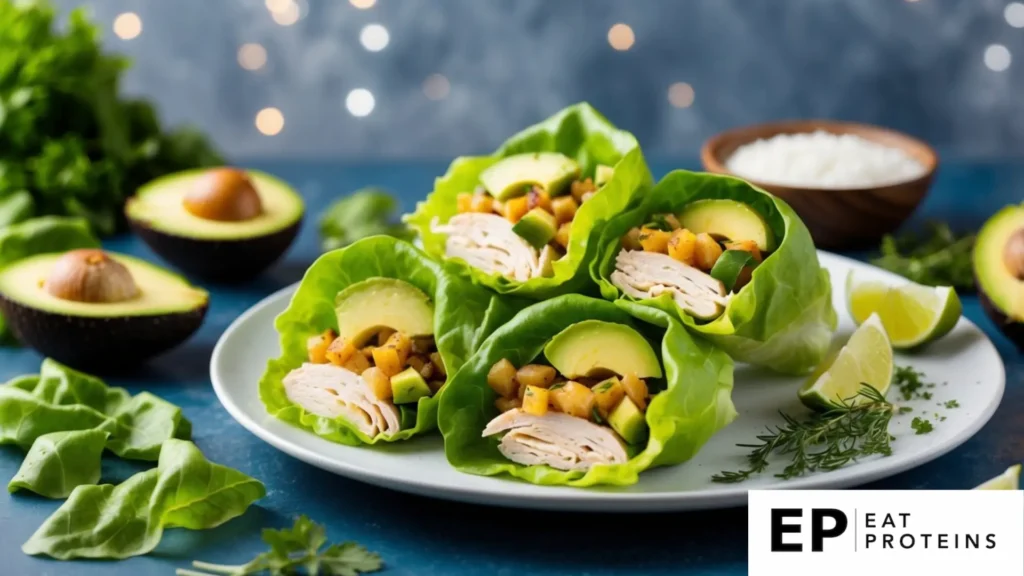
463	315
605	156
779	316
689	389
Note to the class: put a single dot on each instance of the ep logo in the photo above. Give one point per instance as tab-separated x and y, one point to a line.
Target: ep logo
824	523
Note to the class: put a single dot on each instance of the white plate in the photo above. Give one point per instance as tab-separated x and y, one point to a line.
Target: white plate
966	359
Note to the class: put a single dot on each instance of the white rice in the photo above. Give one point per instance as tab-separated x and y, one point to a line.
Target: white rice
822	160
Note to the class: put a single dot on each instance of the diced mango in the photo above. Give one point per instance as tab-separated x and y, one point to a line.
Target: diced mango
682	246
564	208
386	358
654	240
426	371
416	362
636	389
536	375
506	404
574	399
516	208
580	187
340	351
607	395
536	401
464	202
383	335
367	351
498	206
563	234
379	383
746	246
402	345
357	363
502	379
317	346
672	221
435	359
631	240
537	198
482	203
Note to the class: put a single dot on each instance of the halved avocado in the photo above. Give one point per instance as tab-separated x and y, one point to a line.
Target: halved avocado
999	271
365	307
96	310
513	176
594	348
727	219
222	224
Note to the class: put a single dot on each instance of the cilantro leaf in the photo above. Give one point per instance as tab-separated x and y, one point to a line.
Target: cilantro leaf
366	212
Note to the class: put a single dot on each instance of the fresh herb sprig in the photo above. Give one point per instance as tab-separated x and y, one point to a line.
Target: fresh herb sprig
298	550
366	212
938	257
856	428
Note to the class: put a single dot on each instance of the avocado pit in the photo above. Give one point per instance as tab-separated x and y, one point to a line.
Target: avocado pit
90	276
225	195
1013	254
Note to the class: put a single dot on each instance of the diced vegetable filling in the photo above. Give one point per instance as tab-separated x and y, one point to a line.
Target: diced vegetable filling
538	389
397	368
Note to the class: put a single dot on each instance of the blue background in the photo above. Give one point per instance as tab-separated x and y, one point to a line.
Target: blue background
423	537
916	66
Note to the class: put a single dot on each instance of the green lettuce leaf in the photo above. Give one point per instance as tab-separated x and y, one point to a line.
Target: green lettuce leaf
694	401
463	317
578	131
59	462
185	490
783	318
39	236
60	399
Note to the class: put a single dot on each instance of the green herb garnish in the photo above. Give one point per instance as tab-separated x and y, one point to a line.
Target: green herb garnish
939	257
300	547
910	384
921	426
660	222
905	410
557	386
596	415
366	212
952	404
825	441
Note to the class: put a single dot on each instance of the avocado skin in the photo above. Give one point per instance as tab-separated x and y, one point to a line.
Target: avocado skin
222	261
1014	331
100	345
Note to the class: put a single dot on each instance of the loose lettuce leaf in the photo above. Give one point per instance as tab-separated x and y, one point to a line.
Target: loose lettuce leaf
60	399
463	316
37	236
578	131
694	404
185	490
366	212
783	318
59	462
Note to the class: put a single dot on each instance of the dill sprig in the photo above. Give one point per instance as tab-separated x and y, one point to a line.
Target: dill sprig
855	428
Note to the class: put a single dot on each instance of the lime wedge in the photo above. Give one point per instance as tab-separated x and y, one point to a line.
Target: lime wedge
865	359
1009	480
913	314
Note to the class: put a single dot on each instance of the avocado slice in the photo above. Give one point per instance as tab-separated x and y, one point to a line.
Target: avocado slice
130	311
365	307
603	174
594	347
999	271
728	220
515	175
729	266
628	421
408	386
221	224
538	227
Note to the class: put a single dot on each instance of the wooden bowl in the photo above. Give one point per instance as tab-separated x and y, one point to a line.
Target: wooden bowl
838	218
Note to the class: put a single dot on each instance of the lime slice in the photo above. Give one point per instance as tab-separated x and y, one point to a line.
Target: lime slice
1009	480
913	314
865	359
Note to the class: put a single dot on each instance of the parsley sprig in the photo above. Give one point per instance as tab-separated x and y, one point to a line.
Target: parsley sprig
856	428
938	257
298	550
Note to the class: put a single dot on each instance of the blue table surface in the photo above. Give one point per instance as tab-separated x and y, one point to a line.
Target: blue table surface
420	536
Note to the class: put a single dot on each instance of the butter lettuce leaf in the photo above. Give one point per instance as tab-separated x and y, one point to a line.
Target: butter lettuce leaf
60	399
579	132
783	319
185	490
694	401
59	462
464	315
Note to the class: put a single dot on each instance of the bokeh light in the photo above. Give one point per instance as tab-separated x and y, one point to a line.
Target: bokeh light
287	14
362	4
621	37
270	121
436	87
374	37
127	25
1014	14
252	56
360	102
680	95
997	57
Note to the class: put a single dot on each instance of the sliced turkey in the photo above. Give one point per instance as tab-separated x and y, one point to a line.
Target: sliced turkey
487	242
559	440
331	391
650	274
